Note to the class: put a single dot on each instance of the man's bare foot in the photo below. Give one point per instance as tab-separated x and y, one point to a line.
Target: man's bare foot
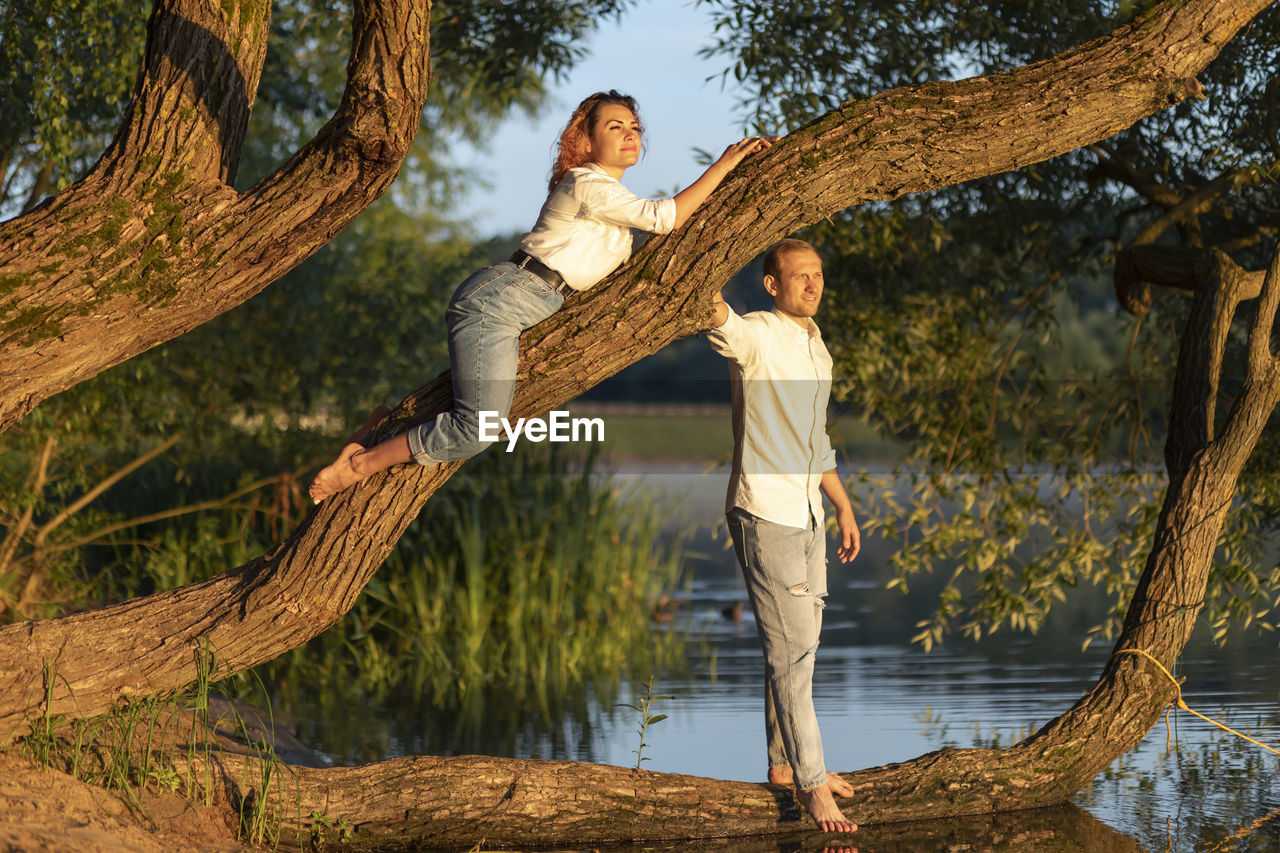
785	776
822	807
337	475
839	786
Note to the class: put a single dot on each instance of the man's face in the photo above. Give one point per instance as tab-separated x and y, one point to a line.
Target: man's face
797	290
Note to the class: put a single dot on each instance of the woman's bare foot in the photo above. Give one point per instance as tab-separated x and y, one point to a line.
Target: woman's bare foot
355	463
337	475
821	806
785	776
343	472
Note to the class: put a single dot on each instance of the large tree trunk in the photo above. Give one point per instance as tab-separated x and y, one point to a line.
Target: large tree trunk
411	803
154	240
867	150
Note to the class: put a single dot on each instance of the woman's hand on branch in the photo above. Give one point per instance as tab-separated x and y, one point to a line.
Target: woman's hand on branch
691	197
739	151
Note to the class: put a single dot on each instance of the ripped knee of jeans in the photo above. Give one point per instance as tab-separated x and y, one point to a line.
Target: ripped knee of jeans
801	590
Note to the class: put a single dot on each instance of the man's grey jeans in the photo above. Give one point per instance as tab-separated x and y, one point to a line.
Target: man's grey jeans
785	569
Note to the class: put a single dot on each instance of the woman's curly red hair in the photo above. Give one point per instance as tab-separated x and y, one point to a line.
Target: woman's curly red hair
571	149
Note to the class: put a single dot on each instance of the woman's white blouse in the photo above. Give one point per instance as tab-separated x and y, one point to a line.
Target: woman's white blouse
584	231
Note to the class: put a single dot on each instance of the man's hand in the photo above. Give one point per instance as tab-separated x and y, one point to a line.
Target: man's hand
850	536
721	310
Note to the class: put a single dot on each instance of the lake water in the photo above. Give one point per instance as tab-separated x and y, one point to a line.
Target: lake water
880	700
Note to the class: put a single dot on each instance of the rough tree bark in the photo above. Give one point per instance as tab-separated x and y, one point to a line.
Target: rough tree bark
902	141
413	803
154	240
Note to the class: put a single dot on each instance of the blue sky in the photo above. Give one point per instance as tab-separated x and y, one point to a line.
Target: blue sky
652	55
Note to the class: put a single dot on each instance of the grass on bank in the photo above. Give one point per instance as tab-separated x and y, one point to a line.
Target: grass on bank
171	744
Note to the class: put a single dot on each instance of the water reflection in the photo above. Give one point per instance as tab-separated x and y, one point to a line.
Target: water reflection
879	700
1066	829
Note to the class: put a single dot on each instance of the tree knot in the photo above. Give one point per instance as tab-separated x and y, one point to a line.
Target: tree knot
1187	87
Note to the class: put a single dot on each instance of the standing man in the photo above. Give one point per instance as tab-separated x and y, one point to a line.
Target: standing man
781	379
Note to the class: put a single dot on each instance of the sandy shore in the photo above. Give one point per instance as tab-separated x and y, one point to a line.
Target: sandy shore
47	810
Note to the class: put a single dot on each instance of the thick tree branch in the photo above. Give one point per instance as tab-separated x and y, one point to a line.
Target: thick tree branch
198	82
1261	392
357	154
1262	356
154	241
1178	267
1194	407
1218	285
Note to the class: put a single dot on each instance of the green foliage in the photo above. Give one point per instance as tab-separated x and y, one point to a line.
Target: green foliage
496	56
67	68
975	323
855	48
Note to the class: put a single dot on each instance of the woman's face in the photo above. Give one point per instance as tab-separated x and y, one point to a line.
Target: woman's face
614	144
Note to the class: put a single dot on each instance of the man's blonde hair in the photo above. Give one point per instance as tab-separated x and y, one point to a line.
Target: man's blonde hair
773	258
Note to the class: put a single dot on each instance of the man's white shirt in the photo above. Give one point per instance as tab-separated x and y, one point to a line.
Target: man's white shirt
781	381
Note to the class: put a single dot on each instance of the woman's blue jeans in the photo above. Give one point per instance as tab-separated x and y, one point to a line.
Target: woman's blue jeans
785	569
485	318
